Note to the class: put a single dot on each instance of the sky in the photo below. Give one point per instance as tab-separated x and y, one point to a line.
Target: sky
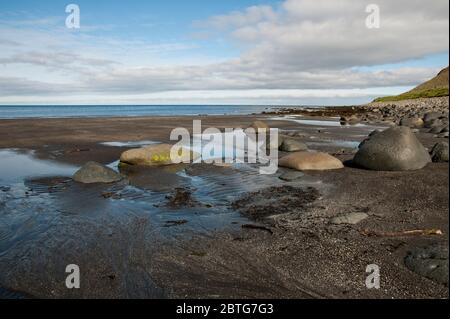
287	52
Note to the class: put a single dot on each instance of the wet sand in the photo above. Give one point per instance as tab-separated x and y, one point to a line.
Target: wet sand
130	242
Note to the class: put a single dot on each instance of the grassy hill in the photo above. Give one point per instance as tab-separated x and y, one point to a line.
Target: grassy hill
436	87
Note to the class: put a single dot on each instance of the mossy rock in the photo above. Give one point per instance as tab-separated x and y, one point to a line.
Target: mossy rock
156	155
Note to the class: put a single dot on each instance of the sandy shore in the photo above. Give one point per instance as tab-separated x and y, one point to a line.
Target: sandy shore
298	254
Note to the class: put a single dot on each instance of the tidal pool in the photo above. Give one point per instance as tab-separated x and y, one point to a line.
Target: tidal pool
18	165
111	231
129	143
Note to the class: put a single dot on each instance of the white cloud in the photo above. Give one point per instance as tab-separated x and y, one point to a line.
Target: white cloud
321	34
300	45
237	19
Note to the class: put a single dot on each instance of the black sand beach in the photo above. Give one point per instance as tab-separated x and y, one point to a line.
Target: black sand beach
184	231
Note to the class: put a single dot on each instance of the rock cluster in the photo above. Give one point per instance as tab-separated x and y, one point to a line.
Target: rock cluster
431	115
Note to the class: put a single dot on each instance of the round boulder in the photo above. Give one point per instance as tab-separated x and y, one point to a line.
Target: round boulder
304	161
155	155
395	149
93	172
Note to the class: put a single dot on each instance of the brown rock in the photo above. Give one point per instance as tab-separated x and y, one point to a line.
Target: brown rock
155	155
304	161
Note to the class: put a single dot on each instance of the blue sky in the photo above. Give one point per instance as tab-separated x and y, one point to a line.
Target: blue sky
216	52
154	21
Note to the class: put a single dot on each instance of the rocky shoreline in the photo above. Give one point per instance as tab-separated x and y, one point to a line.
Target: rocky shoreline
431	114
309	231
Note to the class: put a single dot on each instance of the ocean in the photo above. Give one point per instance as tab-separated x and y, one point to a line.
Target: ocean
66	111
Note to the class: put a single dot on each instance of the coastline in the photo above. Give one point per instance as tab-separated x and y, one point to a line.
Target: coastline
303	256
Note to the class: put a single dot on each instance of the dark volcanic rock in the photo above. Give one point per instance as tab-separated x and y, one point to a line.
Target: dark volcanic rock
93	172
395	149
430	262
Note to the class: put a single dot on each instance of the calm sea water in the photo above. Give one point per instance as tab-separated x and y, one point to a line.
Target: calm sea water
13	112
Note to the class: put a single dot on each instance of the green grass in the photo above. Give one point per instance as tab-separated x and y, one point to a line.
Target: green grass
437	92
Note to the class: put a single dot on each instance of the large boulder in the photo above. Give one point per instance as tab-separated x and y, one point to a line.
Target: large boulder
93	172
395	149
155	155
439	152
304	161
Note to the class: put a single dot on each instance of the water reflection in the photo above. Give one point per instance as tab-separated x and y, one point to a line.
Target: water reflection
19	165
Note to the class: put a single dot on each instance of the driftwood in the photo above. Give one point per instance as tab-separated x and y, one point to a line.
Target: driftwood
418	232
